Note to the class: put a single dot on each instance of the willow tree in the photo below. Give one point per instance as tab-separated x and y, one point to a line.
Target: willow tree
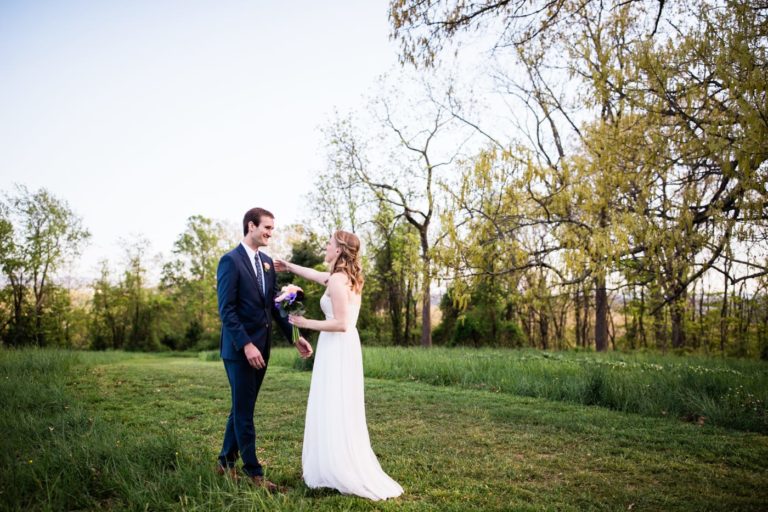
705	122
674	99
491	242
570	60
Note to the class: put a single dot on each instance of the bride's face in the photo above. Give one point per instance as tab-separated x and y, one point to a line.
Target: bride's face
331	250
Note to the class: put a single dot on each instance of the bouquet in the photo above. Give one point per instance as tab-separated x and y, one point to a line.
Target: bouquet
289	303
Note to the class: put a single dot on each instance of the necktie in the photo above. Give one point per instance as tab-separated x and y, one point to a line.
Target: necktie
259	275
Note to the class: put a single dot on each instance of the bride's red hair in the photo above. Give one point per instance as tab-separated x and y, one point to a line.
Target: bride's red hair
348	260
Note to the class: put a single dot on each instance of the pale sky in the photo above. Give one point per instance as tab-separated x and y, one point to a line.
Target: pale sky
142	113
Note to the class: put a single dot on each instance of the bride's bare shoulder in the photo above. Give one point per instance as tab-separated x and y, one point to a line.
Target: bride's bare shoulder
338	279
338	285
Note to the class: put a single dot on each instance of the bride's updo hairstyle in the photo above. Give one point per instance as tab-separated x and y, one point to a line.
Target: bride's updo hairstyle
348	260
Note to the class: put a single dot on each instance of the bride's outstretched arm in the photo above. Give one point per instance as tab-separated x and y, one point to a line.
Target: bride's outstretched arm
305	272
337	289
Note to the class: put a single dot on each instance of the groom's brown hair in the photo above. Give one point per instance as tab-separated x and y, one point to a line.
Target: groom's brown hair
254	215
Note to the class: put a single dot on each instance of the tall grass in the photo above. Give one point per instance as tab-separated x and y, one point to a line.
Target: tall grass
116	431
726	392
56	456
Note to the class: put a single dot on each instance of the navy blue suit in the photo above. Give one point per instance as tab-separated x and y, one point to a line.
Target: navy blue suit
246	317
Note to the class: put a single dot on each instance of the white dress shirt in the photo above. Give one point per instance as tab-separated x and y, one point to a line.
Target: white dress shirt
252	255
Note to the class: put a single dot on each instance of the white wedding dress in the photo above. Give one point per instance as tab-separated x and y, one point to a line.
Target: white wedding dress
337	450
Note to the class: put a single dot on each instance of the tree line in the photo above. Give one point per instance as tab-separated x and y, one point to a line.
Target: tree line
621	203
123	310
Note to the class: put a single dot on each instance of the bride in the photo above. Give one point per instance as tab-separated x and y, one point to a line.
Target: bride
337	450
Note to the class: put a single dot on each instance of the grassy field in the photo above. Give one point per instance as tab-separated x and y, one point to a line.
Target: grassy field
730	393
114	431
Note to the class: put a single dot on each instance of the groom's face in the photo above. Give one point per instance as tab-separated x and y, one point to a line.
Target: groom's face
261	234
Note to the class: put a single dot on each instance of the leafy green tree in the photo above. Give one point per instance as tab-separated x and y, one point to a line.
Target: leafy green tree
706	97
125	312
574	198
39	233
64	318
108	324
190	281
394	249
671	166
141	306
497	252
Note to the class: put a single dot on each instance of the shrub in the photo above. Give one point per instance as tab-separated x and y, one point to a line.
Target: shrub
470	328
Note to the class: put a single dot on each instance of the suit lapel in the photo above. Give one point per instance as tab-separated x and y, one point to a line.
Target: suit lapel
267	276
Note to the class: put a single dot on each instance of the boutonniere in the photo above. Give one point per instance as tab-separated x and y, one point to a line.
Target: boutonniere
266	267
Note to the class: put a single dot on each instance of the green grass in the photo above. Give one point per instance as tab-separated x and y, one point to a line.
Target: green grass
725	392
85	431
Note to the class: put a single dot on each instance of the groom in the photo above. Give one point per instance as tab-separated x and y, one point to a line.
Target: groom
246	288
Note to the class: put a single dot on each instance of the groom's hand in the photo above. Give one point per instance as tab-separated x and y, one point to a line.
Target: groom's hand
304	348
254	357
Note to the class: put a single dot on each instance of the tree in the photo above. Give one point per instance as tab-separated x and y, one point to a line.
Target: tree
425	27
306	250
707	95
109	320
38	234
338	198
190	280
418	139
504	264
140	336
395	253
672	164
589	42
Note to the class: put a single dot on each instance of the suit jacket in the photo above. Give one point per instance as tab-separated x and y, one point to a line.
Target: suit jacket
246	313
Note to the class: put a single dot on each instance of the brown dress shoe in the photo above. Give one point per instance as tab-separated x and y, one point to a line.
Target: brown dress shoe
263	483
230	472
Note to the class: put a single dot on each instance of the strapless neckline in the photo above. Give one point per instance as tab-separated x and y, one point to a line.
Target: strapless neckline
353	310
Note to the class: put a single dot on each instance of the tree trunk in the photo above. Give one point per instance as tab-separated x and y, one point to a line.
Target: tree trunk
39	338
640	317
18	311
630	335
586	326
693	338
659	323
703	338
426	298
724	314
738	310
558	320
426	312
408	316
396	316
611	331
678	319
601	314
544	328
763	336
577	314
396	308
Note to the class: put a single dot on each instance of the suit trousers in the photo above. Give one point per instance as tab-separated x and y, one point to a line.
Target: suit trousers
240	433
